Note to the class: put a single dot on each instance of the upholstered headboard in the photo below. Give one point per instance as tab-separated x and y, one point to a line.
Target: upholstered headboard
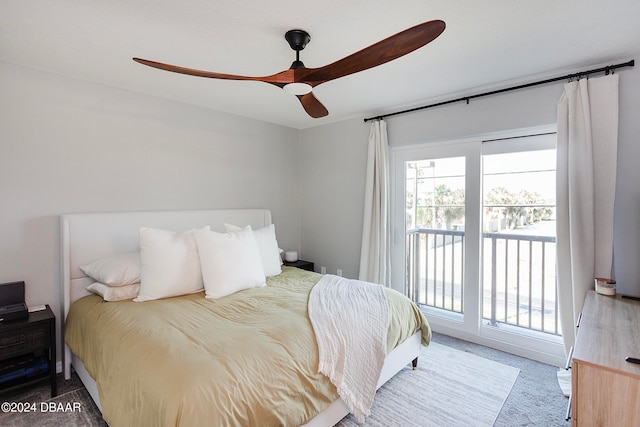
86	237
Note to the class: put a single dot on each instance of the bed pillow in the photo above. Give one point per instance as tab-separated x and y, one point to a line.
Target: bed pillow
230	262
115	293
169	264
268	246
116	270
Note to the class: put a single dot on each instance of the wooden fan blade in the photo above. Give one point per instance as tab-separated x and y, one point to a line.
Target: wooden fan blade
282	78
312	106
382	52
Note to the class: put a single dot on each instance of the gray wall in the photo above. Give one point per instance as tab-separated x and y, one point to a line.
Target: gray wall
70	146
333	163
626	244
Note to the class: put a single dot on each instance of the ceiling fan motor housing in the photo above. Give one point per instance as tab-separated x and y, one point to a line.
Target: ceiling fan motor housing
297	39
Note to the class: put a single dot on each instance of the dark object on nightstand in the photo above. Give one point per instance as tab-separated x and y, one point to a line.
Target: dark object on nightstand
28	351
305	265
13	312
12	304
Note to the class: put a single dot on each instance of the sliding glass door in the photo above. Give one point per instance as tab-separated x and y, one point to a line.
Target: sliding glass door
474	239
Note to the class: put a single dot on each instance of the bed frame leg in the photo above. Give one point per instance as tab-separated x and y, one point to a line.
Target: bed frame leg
414	363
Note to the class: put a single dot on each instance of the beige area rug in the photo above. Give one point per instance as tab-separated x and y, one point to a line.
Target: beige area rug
449	388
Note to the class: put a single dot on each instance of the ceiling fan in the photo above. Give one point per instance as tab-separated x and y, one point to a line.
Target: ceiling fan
299	80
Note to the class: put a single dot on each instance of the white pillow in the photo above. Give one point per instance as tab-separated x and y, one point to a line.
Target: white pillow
111	293
268	246
169	264
230	262
116	270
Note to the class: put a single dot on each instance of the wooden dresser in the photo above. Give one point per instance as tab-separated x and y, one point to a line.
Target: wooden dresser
606	388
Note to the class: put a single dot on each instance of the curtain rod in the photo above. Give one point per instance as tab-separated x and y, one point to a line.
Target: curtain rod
606	69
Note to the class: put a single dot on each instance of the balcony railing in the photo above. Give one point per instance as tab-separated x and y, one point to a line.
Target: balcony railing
518	276
435	268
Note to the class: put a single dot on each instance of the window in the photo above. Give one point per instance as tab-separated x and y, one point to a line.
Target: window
518	244
435	198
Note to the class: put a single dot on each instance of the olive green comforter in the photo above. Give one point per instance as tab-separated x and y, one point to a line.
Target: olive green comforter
247	359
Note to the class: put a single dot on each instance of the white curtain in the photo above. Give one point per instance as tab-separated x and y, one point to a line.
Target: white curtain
375	262
586	178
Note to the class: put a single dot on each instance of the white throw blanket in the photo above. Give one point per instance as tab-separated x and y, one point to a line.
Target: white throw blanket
350	320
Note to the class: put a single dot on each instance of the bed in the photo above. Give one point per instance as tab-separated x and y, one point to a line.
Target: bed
123	393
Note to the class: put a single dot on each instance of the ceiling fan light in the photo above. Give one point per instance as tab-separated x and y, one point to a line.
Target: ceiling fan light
297	88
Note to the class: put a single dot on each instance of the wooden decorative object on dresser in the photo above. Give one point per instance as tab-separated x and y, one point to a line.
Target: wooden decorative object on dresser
605	387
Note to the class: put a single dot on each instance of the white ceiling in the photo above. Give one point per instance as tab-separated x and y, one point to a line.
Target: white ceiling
486	43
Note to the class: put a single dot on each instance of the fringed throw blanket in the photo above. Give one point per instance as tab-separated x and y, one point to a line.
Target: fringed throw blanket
350	320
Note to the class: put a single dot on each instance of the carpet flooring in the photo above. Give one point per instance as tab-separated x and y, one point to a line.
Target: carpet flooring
535	399
449	388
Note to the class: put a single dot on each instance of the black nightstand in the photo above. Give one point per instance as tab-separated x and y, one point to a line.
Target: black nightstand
23	343
305	265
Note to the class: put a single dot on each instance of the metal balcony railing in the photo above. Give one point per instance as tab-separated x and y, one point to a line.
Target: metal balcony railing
435	268
518	276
